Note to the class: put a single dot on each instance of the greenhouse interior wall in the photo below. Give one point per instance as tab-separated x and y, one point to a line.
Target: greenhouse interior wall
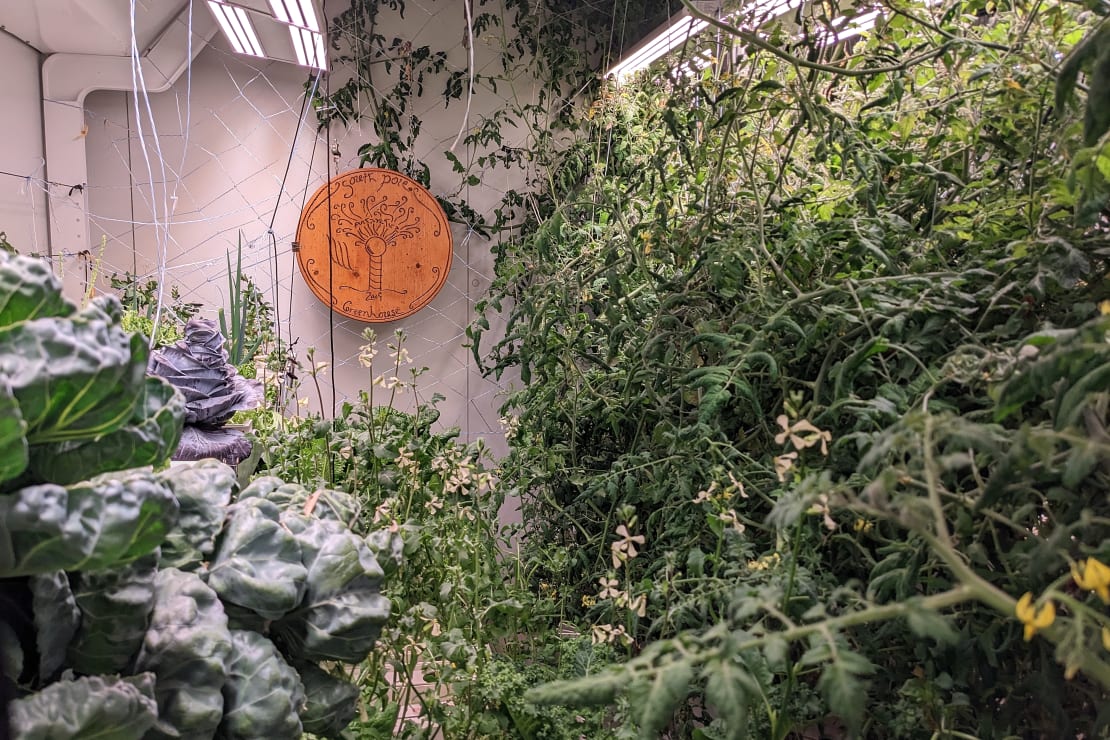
212	161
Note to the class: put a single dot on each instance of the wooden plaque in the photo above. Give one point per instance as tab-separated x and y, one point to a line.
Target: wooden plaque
390	245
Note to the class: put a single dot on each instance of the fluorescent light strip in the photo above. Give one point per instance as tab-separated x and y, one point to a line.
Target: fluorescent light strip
762	12
237	28
279	11
309	47
687	27
299	13
852	28
668	40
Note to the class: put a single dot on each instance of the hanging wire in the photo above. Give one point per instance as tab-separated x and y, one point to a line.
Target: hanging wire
276	284
138	84
331	253
470	78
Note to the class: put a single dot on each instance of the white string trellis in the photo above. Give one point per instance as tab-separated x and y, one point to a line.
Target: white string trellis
190	226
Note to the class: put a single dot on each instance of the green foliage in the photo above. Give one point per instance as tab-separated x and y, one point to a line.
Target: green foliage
818	345
329	702
140	306
469	634
203	491
150	574
47	528
186	647
107	708
262	693
258	566
114	605
248	323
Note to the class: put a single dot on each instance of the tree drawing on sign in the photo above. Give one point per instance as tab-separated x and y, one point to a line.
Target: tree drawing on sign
371	225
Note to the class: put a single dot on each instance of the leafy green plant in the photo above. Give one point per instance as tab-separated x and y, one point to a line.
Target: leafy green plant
468	628
206	600
803	354
247	325
140	304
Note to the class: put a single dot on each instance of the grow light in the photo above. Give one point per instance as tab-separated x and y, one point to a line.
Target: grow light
304	30
309	47
237	27
851	27
662	41
684	26
299	13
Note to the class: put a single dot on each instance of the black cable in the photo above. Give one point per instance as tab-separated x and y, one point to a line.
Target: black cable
293	266
273	216
331	256
79	186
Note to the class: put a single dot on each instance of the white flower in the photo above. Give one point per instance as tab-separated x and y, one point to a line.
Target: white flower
737	486
783	464
366	355
609	588
802	434
822	507
730	517
706	495
624	549
608	633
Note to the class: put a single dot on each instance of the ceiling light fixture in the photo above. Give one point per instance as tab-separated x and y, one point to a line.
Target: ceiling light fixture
850	27
665	39
304	30
237	27
309	47
298	13
683	26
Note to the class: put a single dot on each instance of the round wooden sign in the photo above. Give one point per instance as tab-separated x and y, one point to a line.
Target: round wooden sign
390	245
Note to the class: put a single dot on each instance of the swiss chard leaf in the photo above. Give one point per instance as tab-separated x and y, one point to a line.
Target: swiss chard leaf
29	290
115	605
258	563
203	490
330	702
74	378
343	610
323	503
56	620
100	707
88	526
186	647
148	438
262	693
13	439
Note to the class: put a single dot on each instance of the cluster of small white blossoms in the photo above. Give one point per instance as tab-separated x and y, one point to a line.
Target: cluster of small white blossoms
622	550
609	633
720	497
398	356
802	434
610	590
510	425
460	472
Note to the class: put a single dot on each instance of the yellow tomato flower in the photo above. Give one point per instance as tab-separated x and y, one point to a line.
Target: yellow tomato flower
1034	619
1093	576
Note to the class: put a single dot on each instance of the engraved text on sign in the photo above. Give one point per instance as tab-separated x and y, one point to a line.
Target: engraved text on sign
390	245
